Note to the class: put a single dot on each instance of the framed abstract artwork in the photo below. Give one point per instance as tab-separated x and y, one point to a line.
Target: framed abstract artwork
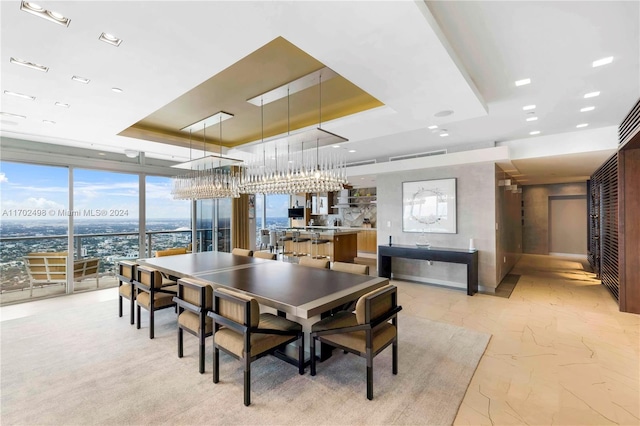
429	206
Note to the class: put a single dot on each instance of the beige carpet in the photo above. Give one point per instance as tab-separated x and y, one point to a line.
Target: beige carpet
87	366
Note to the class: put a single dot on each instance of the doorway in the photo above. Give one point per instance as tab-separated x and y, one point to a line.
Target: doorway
568	225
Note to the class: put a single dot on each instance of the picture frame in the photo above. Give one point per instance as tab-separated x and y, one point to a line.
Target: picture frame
429	206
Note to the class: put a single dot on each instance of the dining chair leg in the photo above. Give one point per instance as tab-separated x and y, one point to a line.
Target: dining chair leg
151	322
395	357
132	303
216	376
247	379
180	340
138	316
201	352
369	381
120	306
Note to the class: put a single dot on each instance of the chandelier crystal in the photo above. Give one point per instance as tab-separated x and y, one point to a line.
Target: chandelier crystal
209	176
274	171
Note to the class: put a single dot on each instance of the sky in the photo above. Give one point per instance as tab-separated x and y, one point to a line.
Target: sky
34	192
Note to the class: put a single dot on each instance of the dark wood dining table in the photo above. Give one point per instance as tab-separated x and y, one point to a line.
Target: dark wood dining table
298	291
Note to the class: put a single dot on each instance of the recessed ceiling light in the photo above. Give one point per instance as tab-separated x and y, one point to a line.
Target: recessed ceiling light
336	146
20	95
352	150
580	126
432	127
80	79
63	105
532	118
116	89
110	39
131	153
8	114
528	107
28	64
48	122
445	113
523	82
591	95
43	13
603	61
535	132
444	135
586	109
102	153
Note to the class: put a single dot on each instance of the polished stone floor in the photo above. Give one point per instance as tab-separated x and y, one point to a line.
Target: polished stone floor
560	351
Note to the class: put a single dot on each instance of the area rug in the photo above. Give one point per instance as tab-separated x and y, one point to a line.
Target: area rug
84	365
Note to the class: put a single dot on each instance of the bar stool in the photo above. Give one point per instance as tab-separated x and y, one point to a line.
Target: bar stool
316	241
297	239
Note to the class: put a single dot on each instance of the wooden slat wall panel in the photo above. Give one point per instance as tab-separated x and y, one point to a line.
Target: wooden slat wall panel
603	244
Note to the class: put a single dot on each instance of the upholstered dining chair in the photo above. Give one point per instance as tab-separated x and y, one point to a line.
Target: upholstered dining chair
166	279
314	263
264	255
352	268
366	333
126	275
242	252
151	294
244	333
194	300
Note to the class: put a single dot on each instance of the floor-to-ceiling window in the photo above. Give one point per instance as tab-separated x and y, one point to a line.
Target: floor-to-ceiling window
271	214
33	218
105	222
168	221
214	224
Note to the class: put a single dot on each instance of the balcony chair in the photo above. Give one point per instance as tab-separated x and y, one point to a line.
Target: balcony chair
194	300
244	333
126	275
151	294
242	252
366	333
51	268
264	255
314	263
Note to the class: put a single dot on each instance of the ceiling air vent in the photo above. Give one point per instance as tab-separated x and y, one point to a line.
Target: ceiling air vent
418	155
361	163
630	125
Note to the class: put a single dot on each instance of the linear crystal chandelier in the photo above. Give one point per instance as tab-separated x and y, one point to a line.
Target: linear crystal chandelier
285	167
294	163
211	176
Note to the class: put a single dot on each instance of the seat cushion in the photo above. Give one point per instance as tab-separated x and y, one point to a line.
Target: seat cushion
260	343
339	320
357	340
191	321
125	290
161	300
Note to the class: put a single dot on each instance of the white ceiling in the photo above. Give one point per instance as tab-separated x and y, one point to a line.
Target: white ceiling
417	58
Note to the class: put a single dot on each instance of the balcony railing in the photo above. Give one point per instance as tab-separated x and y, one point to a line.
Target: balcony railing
109	247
